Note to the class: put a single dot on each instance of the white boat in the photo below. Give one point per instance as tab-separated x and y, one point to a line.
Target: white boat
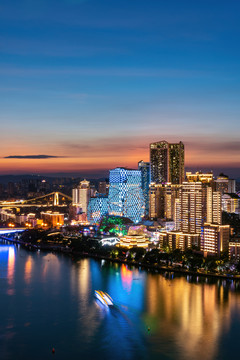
104	298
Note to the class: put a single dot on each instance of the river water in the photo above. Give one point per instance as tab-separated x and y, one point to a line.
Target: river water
47	301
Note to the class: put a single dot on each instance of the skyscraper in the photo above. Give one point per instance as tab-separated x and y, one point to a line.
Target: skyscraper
81	195
176	163
191	207
159	160
214	206
167	162
144	167
125	194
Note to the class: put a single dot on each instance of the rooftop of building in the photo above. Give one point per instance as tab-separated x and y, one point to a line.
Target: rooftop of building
124	168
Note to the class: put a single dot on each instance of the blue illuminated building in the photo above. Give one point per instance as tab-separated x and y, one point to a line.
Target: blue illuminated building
97	208
144	167
125	194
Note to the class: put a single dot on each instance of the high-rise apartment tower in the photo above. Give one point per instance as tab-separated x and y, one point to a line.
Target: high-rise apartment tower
81	195
167	162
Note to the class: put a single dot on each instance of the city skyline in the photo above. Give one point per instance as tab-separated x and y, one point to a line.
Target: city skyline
91	84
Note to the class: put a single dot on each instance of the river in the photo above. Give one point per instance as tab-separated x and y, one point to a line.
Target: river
47	301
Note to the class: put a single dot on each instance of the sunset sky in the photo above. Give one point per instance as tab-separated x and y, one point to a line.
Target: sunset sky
90	83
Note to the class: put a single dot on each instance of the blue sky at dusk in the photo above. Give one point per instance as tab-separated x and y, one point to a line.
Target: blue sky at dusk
92	83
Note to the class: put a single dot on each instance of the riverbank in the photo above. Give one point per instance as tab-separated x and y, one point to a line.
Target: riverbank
138	264
30	246
159	268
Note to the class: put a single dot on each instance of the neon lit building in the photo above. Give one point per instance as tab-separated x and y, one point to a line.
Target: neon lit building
125	194
97	208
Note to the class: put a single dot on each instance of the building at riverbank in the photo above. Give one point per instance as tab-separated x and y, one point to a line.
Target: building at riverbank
137	237
234	249
215	239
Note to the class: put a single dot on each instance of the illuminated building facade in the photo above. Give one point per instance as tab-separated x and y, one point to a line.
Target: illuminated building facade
214	206
156	201
176	163
159	160
144	167
97	208
81	195
7	214
137	237
167	162
21	219
177	214
134	241
125	194
225	185
234	249
171	197
178	240
215	238
191	209
163	200
53	219
231	203
199	176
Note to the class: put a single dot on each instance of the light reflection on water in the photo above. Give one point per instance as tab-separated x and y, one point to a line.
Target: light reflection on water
47	300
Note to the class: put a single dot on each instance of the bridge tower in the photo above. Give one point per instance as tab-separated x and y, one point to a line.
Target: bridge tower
56	199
